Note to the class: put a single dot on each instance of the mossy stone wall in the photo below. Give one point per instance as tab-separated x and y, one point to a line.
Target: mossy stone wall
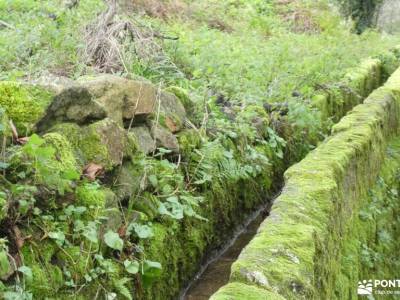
309	248
188	243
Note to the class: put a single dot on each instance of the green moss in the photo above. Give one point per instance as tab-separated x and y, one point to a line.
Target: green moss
76	260
240	291
168	283
47	278
390	63
65	157
24	104
89	195
189	140
73	134
335	101
93	147
103	142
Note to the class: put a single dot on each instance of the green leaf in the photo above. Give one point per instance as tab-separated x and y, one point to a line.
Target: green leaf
132	267
35	140
90	233
152	268
119	286
5	267
113	240
57	235
26	271
143	231
167	189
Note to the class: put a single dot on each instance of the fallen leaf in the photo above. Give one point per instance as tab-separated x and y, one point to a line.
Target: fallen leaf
23	140
92	171
122	231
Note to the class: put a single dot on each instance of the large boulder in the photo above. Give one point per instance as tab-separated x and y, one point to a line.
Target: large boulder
125	99
117	98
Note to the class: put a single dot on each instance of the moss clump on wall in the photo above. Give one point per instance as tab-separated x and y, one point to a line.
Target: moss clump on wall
47	278
65	154
302	249
24	104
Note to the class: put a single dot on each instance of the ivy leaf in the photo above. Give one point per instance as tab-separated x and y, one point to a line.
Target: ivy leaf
152	268
35	140
58	236
143	231
150	271
90	233
113	240
132	267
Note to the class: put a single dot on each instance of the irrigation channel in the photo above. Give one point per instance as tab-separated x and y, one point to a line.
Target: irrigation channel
215	272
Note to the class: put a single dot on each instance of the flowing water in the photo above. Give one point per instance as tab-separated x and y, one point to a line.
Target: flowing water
215	273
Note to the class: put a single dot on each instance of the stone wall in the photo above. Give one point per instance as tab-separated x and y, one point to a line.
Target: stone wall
309	247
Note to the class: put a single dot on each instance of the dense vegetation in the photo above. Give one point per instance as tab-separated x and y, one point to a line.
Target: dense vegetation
230	62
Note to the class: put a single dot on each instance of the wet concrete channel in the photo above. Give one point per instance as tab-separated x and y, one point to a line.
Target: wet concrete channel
216	271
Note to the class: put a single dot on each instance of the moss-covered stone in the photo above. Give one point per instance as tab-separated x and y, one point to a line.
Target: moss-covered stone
309	246
183	96
47	278
240	291
103	142
24	104
65	156
89	195
334	102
